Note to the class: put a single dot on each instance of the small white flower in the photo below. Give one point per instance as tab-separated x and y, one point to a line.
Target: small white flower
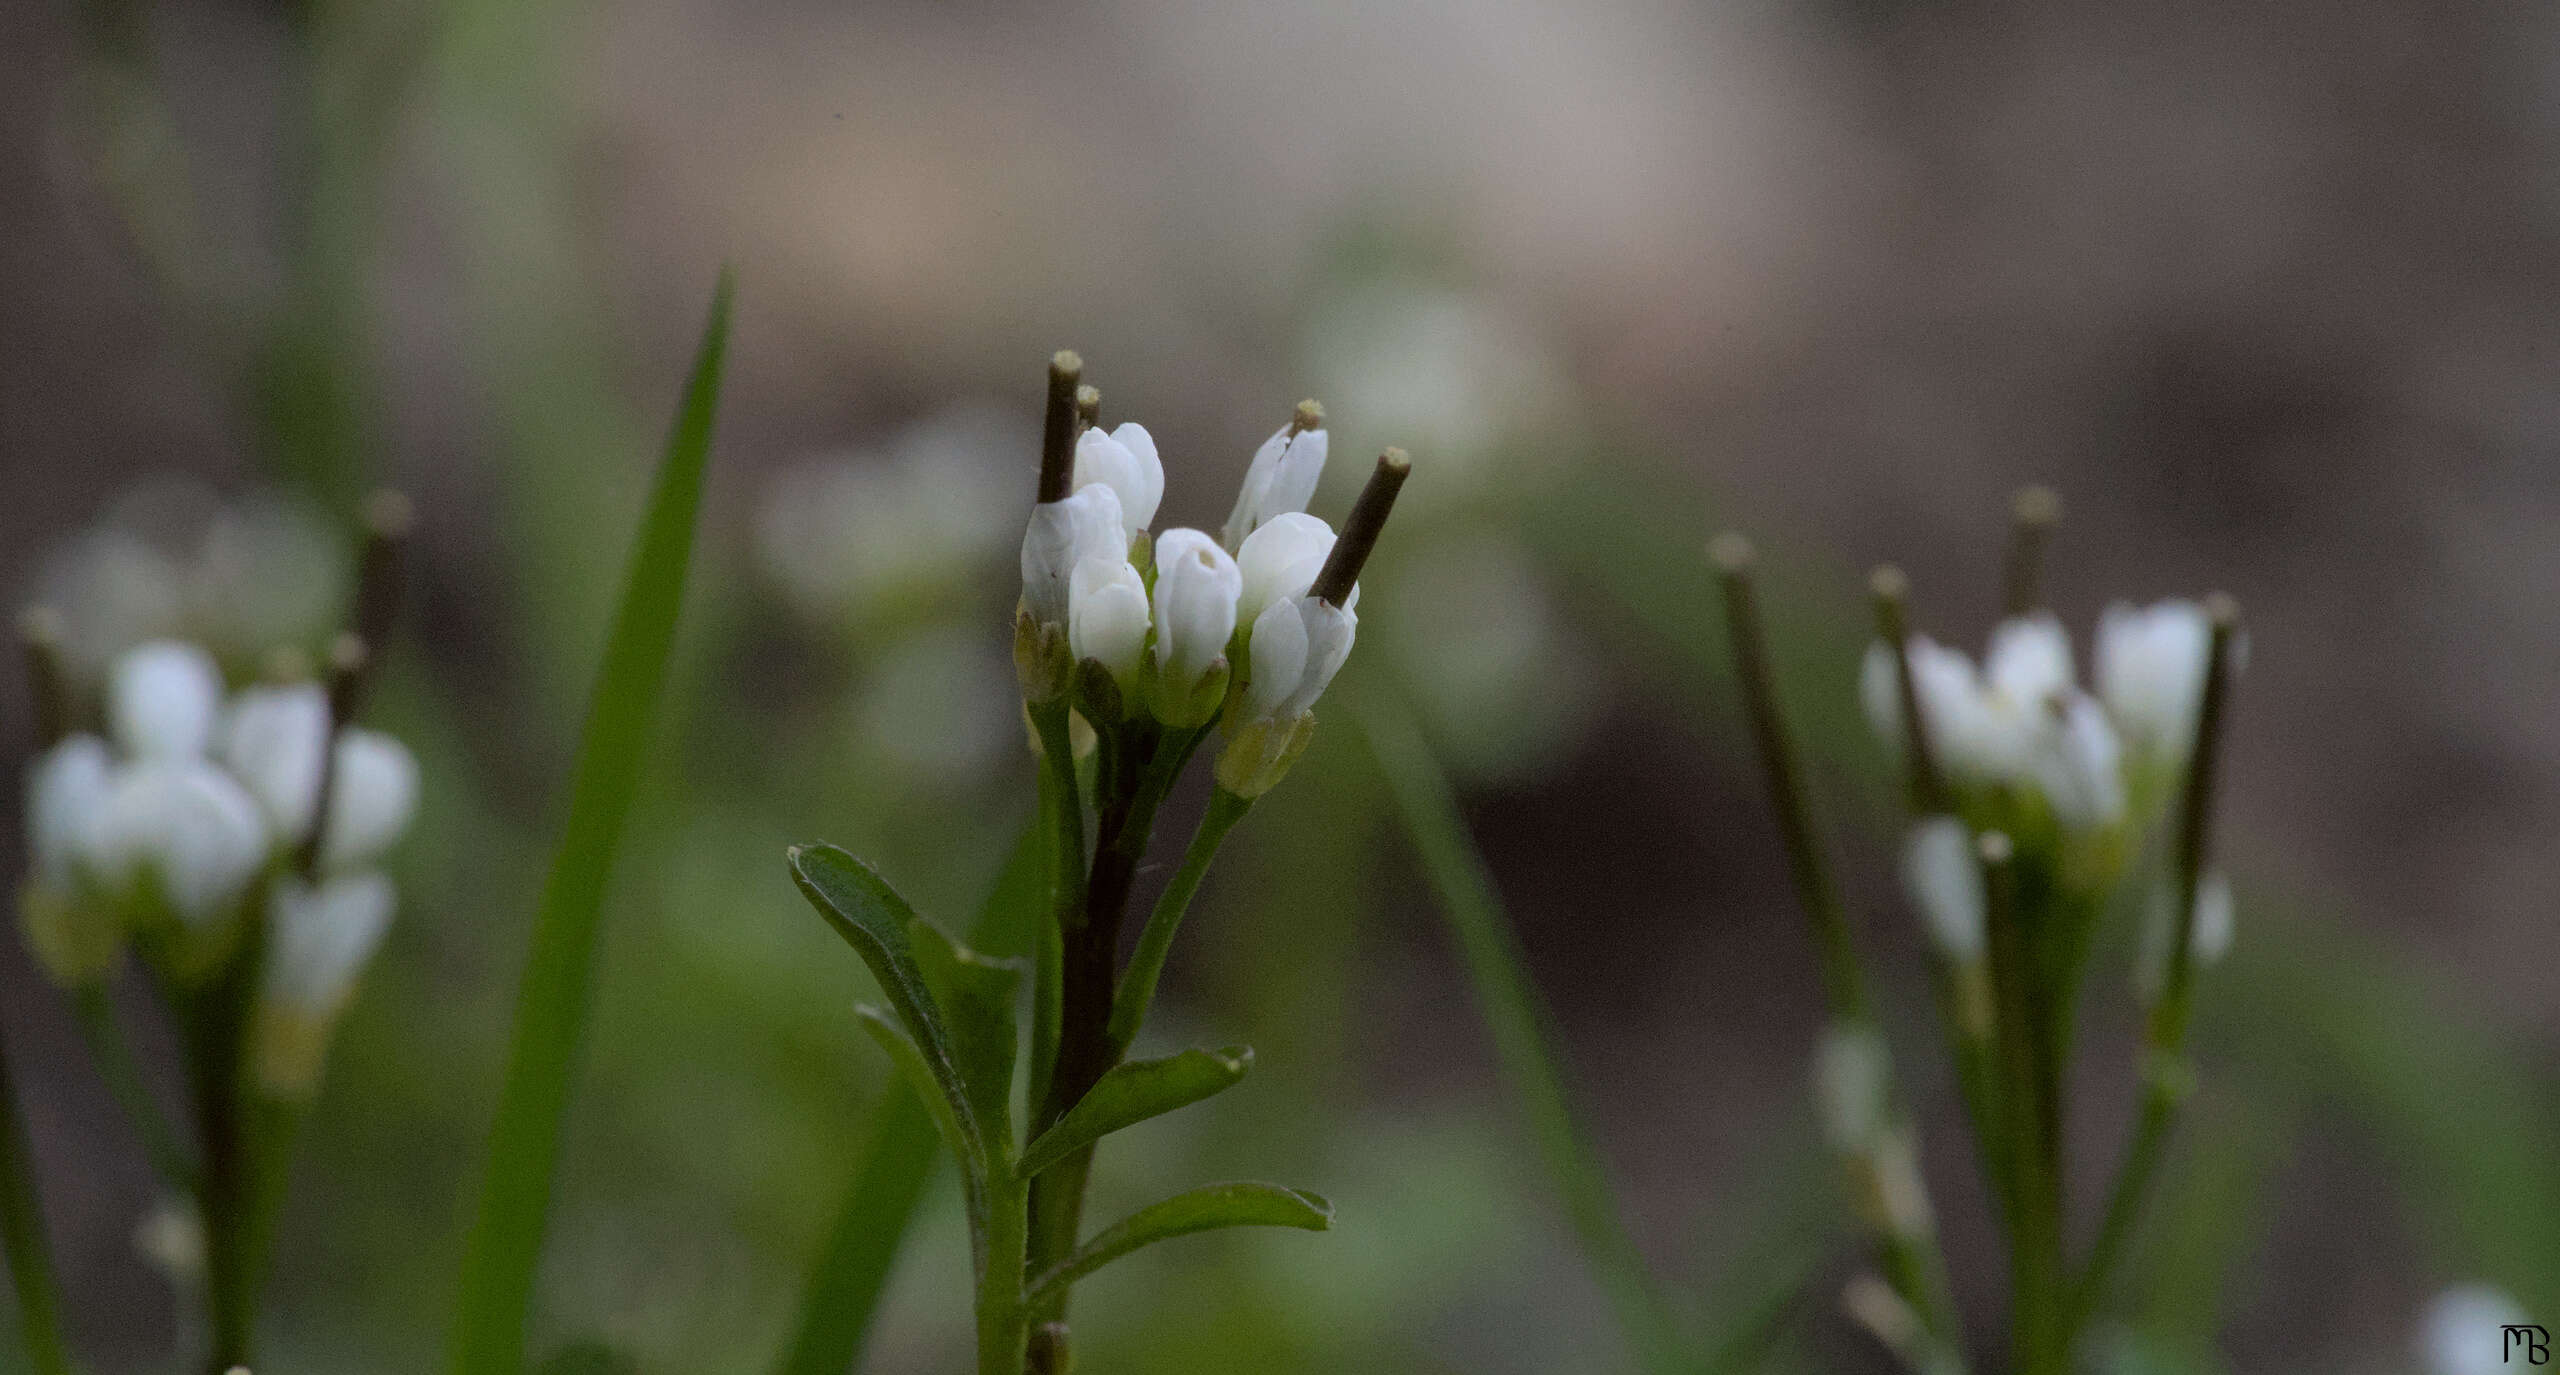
162	700
2464	1331
66	793
2149	667
1973	735
1297	647
1944	878
1061	535
371	798
1281	479
320	939
1196	589
272	739
188	826
1125	461
1107	615
1280	561
1852	1085
2079	765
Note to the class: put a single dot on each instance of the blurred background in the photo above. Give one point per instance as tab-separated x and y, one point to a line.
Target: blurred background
2265	291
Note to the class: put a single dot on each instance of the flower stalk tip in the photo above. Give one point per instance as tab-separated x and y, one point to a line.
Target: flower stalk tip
1058	427
387	518
48	687
1360	530
1731	553
1308	416
1088	406
2033	513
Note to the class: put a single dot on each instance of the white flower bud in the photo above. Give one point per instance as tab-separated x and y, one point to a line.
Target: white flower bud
1297	647
1852	1085
1196	589
2215	918
1973	735
371	798
2464	1331
1125	461
66	792
1280	561
2149	666
187	827
162	699
272	739
2079	765
1944	879
1107	615
1281	479
1061	535
319	939
2210	941
2029	661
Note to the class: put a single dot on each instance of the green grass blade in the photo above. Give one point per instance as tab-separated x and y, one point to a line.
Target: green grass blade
524	1141
843	1293
22	1237
1522	1037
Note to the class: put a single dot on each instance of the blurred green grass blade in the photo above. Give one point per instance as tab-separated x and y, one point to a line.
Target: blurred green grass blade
1522	1036
861	1251
524	1140
22	1236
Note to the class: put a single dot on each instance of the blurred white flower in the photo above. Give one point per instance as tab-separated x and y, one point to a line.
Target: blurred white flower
2079	764
272	738
1444	372
163	699
1280	561
852	535
2464	1331
372	795
1062	534
2216	920
320	938
1501	691
1943	876
2029	660
1125	461
1107	616
1195	605
66	791
1282	478
182	826
2149	666
939	707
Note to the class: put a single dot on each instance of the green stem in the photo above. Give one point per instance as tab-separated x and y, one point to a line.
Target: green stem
216	1021
2035	1237
22	1235
1003	1320
113	1056
1062	821
1138	984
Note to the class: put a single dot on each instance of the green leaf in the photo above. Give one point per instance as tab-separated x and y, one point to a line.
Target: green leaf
919	1078
551	1007
1133	1092
976	995
1203	1209
1522	1036
843	1292
875	921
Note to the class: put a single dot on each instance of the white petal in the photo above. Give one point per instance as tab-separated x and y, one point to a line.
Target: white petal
187	825
1195	608
1107	614
1944	878
1136	481
370	799
1880	693
1147	492
271	739
1280	560
162	699
2030	659
2464	1332
66	791
2149	666
1282	478
2214	918
1061	535
319	940
1279	655
2079	765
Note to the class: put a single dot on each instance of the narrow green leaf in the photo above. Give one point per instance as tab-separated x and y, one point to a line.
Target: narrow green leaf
875	921
22	1238
1133	1092
1522	1037
920	1079
1204	1209
976	994
862	1248
551	1007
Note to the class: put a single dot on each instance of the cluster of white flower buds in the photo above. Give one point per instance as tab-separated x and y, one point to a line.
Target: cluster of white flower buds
1246	628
